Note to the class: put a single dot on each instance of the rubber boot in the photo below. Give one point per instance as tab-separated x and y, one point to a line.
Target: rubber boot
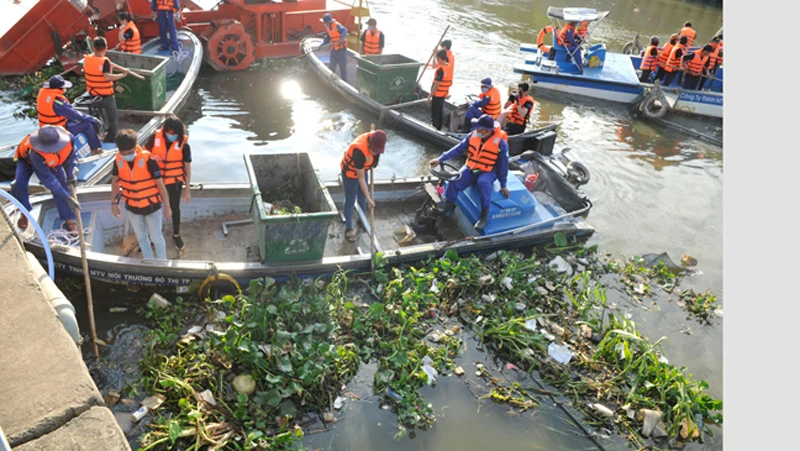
447	209
483	220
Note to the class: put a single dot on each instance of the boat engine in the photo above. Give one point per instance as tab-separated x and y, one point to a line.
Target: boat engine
425	219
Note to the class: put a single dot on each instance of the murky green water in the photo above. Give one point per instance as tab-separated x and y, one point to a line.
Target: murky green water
654	189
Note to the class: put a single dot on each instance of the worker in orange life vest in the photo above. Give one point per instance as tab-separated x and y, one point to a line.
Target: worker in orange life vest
97	70
129	39
136	178
517	110
690	34
48	152
663	56
649	60
54	109
487	160
488	103
714	61
694	64
167	12
569	38
362	155
372	39
169	144
336	36
442	81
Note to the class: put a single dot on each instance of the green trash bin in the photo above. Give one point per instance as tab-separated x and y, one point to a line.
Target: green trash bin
386	78
289	178
149	94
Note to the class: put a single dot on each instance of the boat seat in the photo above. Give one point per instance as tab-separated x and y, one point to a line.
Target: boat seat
595	57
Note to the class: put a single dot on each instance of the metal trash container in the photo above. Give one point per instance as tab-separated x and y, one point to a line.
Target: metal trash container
277	177
149	94
386	78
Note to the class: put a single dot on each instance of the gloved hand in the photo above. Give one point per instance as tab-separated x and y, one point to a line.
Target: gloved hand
73	203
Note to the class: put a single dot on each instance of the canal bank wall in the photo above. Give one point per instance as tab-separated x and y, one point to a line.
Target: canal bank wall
48	400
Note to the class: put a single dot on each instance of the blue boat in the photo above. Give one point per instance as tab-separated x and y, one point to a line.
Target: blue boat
610	76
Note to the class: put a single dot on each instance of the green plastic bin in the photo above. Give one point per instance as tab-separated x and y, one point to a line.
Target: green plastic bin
149	94
274	177
386	78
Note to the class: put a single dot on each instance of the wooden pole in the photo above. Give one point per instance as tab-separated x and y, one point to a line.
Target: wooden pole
429	59
130	71
372	217
86	279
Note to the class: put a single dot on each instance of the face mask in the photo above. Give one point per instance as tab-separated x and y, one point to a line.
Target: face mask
170	137
372	29
129	157
484	89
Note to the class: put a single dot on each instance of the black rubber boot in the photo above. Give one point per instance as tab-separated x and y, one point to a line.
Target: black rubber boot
447	209
483	220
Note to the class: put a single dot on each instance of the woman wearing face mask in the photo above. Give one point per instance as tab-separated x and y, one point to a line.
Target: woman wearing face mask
372	39
169	144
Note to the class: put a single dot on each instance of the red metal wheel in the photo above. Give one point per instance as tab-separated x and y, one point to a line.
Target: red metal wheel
230	47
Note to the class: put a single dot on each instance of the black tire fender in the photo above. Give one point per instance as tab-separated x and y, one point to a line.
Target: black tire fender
578	173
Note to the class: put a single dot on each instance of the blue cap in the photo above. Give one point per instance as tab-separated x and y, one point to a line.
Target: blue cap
485	121
327	18
57	82
487	82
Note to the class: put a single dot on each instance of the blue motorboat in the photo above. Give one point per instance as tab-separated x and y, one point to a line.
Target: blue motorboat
594	72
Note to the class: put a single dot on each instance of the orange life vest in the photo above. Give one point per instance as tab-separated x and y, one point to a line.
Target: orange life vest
518	103
690	34
649	62
715	59
540	39
372	42
45	107
483	158
53	160
562	35
451	60
673	62
361	143
165	5
663	57
695	65
134	44
493	107
170	159
446	82
138	186
335	36
582	30
96	83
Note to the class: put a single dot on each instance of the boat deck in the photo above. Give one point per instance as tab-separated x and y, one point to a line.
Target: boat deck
616	68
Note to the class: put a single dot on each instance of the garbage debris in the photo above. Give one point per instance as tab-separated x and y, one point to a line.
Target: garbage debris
338	403
602	410
434	286
328	417
486	280
561	265
542	291
688	260
650	419
404	235
559	353
117	309
244	384
458	371
431	373
651	260
158	301
206	396
689	429
434	337
139	414
111	398
586	331
392	394
511	366
153	402
507	283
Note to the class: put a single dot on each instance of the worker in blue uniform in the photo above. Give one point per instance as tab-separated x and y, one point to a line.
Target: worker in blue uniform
54	109
487	160
336	35
167	12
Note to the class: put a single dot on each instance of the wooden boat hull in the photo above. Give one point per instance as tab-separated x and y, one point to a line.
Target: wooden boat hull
414	122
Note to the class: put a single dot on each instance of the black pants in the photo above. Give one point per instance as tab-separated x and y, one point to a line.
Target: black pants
109	106
703	80
670	76
437	112
690	81
514	129
174	192
645	78
660	74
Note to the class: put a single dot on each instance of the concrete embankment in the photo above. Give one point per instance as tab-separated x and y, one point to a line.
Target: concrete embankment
48	400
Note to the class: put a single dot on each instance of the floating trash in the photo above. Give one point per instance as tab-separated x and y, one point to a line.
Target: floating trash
530	324
602	410
559	353
486	280
338	403
459	371
561	265
507	282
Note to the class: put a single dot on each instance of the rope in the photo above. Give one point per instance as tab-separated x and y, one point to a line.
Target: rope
65	237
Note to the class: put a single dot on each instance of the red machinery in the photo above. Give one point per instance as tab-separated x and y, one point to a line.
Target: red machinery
236	32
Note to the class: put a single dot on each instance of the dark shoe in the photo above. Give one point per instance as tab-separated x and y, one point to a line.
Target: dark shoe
447	209
22	222
178	241
483	220
161	49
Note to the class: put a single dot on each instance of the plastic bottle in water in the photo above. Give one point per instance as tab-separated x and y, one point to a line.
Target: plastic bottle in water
530	181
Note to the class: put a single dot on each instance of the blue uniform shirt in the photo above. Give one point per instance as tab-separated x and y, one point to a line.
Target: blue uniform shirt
500	167
66	110
47	176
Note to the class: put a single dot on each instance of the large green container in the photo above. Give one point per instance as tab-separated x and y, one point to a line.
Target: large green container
149	94
386	78
274	177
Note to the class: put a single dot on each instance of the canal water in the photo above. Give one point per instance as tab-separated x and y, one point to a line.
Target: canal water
654	189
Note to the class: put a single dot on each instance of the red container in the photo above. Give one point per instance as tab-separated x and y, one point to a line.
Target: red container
530	181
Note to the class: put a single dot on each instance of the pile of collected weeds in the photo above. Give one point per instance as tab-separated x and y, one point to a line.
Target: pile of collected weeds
246	372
